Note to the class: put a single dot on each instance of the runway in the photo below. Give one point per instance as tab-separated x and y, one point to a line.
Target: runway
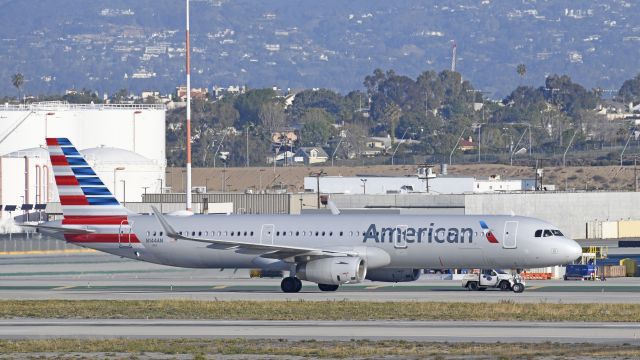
97	276
462	331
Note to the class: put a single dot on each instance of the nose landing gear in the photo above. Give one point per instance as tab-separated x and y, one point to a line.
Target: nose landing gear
291	284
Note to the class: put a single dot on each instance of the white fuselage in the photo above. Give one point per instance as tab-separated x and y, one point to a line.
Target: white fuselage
411	241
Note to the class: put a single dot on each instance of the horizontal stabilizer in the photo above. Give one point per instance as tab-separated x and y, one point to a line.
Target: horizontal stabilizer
61	229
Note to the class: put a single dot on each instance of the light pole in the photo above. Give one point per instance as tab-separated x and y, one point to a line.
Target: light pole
364	185
161	195
456	146
124	192
46	123
145	190
134	128
119	168
397	146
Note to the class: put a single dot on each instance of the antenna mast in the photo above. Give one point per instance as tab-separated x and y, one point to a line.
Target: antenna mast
188	68
453	55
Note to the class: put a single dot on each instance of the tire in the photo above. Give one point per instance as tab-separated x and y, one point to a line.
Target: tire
290	285
505	286
518	288
298	285
472	285
328	287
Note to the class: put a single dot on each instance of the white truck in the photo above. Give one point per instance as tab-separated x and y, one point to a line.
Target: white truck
493	279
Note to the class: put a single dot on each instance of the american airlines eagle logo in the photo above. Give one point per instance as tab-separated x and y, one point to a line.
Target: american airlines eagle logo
488	233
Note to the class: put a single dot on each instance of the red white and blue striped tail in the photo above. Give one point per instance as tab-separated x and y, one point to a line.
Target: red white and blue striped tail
84	197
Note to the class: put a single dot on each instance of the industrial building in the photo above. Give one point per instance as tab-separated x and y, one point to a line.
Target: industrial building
124	143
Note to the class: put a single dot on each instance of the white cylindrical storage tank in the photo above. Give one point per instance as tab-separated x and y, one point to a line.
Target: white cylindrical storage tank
127	174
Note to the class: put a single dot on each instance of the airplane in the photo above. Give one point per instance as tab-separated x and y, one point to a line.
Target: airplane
327	249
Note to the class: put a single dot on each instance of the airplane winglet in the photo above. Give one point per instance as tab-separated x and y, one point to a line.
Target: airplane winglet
332	206
171	232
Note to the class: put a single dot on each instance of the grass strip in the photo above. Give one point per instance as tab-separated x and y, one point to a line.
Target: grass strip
202	348
315	310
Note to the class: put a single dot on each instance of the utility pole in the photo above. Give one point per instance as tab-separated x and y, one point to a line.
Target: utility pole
635	172
317	175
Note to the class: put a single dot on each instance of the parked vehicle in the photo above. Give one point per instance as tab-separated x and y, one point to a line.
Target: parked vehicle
493	279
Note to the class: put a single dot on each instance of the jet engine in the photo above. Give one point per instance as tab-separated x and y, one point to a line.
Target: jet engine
333	270
394	275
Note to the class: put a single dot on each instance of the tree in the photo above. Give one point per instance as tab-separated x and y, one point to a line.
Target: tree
18	80
630	91
272	116
250	103
316	128
521	69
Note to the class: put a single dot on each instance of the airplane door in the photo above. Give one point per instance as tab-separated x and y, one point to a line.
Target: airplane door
400	237
510	234
124	234
266	234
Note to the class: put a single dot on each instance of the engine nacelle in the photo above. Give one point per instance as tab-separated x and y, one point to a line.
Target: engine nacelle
394	275
333	270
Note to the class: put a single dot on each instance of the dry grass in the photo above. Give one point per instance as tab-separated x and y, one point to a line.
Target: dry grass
579	178
316	310
203	348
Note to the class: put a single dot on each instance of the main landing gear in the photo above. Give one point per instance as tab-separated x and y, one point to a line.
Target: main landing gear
291	284
328	287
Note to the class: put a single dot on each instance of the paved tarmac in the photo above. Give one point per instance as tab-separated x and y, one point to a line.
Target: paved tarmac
451	331
97	276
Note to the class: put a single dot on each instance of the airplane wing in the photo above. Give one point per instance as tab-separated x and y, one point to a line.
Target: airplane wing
271	251
62	229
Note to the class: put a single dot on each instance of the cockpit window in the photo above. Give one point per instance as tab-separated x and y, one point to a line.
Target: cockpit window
547	233
538	233
556	232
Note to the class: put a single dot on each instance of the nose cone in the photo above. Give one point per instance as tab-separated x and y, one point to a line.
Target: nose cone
573	250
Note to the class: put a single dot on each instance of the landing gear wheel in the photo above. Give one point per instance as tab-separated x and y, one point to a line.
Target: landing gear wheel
328	287
518	288
472	285
291	285
505	286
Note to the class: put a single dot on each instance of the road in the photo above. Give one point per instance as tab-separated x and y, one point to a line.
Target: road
96	276
451	331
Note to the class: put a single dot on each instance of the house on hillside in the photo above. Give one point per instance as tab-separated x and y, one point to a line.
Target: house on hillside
467	144
310	155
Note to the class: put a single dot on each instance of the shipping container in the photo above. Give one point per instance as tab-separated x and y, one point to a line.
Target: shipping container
611	271
609	229
630	266
628	228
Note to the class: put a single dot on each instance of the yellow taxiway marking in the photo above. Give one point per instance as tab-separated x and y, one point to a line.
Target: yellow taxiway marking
64	287
374	287
219	287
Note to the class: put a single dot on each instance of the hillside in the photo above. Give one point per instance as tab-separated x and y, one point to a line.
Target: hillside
110	45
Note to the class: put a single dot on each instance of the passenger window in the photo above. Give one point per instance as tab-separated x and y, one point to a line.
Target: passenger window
160	233
350	233
252	233
556	232
297	233
317	233
199	233
340	233
154	233
323	233
245	233
547	233
148	233
538	233
330	233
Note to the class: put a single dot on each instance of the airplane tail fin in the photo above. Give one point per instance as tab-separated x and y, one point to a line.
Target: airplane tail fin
84	197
